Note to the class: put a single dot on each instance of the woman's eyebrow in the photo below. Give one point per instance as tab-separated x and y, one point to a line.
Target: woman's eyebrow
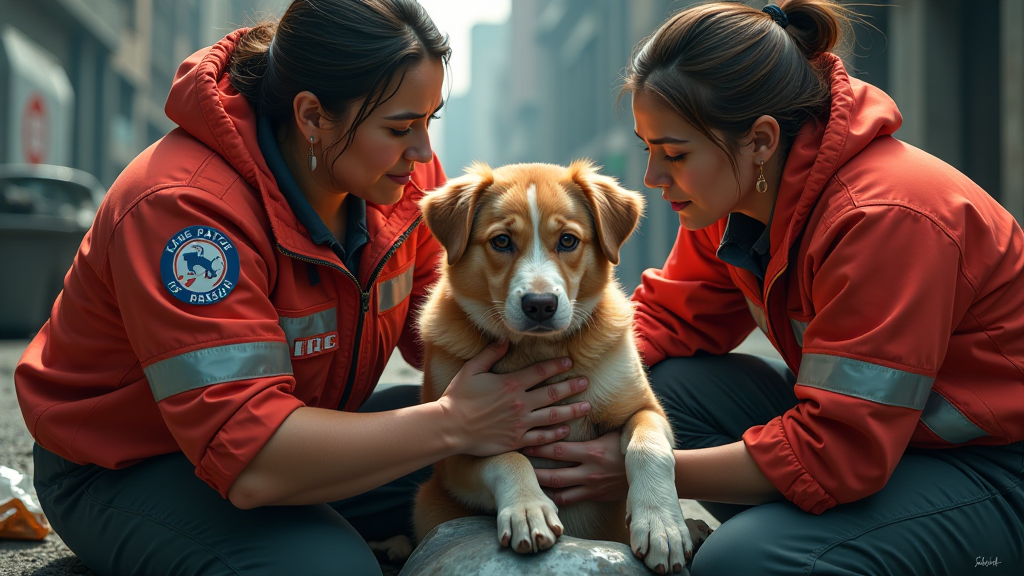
410	115
663	140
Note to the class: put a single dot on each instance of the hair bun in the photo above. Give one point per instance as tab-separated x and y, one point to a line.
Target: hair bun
816	25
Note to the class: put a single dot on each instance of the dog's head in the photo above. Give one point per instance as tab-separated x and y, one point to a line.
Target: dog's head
531	246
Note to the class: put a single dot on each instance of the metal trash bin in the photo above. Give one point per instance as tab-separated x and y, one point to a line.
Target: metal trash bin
45	212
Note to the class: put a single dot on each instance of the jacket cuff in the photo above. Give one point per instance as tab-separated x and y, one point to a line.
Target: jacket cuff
243	436
773	454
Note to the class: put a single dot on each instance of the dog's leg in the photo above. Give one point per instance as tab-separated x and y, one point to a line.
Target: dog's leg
658	533
527	519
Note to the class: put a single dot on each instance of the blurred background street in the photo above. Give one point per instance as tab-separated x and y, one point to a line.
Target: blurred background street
83	83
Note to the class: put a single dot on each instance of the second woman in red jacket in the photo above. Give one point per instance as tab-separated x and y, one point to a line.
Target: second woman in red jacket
889	441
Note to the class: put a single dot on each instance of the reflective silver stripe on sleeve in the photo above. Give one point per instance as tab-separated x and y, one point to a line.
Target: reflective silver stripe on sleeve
391	293
798	330
947	422
758	315
306	326
216	365
865	380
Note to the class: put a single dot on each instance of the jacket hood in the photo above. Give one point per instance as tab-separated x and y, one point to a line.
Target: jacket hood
859	114
204	104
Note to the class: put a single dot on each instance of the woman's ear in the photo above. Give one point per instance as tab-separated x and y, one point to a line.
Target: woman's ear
307	112
616	211
764	136
449	210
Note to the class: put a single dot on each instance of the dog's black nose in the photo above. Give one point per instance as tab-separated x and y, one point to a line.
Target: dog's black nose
540	307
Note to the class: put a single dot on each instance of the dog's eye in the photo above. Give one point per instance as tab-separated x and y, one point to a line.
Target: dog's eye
502	243
568	243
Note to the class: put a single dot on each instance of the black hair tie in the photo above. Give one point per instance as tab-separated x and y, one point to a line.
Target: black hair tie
777	14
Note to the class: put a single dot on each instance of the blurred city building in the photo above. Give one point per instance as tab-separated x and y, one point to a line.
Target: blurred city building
82	90
83	82
544	88
471	139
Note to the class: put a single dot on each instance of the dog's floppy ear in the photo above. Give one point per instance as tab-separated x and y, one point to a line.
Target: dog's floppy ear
448	210
616	210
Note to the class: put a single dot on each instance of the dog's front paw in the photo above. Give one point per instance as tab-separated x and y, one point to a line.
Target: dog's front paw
529	524
658	534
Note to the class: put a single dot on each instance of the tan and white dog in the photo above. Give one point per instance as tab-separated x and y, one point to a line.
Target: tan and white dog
530	252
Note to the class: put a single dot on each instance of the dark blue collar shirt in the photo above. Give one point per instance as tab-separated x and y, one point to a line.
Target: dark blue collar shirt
745	244
356	232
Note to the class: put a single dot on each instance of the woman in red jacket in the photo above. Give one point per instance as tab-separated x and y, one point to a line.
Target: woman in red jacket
235	302
889	441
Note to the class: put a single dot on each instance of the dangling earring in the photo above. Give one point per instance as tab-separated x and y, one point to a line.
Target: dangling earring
761	185
312	157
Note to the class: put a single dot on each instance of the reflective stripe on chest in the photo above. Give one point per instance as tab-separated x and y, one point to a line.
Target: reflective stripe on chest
391	293
313	334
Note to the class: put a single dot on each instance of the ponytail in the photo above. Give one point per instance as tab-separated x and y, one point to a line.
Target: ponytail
250	62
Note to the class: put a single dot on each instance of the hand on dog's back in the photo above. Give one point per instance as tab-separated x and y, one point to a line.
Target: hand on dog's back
493	413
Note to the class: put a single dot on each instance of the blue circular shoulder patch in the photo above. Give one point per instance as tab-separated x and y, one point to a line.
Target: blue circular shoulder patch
199	265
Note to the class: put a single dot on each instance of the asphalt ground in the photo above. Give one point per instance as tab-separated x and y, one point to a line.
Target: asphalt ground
51	557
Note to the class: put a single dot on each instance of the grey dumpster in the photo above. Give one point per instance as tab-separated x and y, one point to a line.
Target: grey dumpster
44	214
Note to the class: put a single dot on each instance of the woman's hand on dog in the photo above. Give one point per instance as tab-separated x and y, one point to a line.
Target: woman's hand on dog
600	473
493	413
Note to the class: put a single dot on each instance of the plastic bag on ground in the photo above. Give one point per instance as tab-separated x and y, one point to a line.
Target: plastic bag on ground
21	518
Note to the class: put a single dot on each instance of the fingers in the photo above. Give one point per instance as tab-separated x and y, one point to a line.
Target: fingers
544	434
564	451
589	451
560	477
572	495
556	414
483	361
539	372
554	392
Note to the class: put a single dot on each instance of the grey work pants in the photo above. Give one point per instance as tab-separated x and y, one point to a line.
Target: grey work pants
158	518
943	512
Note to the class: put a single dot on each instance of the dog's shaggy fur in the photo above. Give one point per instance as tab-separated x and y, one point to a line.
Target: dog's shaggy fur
536	208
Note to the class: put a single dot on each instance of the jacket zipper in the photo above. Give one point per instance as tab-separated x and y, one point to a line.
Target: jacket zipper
364	299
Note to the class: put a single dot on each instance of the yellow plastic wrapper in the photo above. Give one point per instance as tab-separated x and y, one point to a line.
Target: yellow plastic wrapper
21	518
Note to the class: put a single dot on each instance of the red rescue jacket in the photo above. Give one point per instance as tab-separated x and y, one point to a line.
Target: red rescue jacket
198	313
895	292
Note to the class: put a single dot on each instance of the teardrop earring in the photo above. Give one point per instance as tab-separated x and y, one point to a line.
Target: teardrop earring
761	185
311	157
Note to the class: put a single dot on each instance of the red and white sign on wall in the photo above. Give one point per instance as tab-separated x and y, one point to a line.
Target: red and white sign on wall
35	130
36	127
